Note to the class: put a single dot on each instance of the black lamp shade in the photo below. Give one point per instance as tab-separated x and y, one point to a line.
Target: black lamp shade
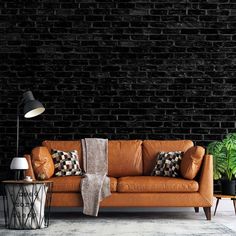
32	107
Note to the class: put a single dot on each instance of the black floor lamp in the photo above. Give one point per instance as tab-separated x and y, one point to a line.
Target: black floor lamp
32	108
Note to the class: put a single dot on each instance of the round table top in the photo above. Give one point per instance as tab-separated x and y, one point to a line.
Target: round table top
25	182
224	196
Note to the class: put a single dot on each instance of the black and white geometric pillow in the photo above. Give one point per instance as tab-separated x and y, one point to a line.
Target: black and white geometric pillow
66	163
167	164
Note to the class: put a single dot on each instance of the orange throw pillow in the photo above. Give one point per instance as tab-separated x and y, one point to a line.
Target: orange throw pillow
42	163
191	162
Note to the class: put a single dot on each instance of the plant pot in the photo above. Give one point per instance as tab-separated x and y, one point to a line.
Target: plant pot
228	187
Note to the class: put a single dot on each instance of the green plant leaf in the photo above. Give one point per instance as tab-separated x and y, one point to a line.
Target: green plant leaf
232	161
219	152
231	136
229	143
224	156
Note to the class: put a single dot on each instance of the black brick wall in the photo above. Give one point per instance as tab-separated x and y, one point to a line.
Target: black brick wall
122	69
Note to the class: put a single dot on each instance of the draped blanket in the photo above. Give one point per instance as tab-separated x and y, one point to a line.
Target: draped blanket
95	185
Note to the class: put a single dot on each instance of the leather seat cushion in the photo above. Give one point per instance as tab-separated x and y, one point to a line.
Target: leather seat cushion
72	184
152	147
156	184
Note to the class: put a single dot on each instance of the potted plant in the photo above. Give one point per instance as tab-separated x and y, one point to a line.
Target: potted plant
224	160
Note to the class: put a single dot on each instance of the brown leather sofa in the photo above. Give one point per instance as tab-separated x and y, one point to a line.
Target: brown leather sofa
130	163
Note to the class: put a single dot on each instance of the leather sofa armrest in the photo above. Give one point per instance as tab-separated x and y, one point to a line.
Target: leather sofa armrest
206	178
30	171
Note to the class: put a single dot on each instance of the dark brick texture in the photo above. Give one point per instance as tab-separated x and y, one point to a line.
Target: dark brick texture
121	69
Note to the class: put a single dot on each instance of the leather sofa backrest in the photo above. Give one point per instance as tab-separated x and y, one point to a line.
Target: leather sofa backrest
152	147
124	156
65	146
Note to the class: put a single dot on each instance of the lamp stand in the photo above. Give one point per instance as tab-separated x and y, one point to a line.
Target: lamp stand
32	108
17	127
19	174
17	134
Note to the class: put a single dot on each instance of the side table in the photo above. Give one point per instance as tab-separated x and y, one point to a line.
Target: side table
220	196
27	204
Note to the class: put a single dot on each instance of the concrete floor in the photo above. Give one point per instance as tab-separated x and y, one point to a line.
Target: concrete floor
225	214
225	218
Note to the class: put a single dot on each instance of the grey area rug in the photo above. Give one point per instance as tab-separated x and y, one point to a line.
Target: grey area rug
122	224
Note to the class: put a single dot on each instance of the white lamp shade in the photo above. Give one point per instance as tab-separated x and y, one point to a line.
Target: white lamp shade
19	163
34	112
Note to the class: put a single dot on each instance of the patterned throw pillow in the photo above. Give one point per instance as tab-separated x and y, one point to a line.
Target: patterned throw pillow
167	164
66	163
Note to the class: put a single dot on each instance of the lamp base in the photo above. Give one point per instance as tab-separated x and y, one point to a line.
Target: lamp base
19	175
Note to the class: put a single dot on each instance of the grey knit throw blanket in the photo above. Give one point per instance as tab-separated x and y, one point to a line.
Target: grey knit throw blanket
95	185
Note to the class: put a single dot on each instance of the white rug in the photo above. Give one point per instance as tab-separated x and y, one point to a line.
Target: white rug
122	224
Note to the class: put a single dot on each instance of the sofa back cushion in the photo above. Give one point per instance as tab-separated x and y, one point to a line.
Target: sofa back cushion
152	147
30	170
191	162
65	146
42	163
125	158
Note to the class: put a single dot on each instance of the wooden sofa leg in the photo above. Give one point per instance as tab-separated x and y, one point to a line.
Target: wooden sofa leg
196	209
207	211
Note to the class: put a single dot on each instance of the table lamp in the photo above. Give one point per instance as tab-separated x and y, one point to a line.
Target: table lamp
19	165
32	108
